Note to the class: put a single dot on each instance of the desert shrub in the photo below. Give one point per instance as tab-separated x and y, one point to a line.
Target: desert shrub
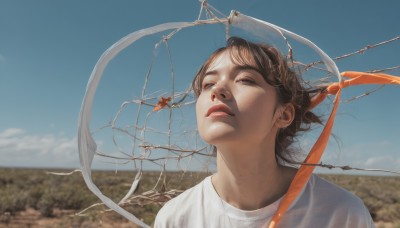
12	200
22	188
5	180
149	218
152	208
8	203
46	205
380	194
72	197
389	213
34	195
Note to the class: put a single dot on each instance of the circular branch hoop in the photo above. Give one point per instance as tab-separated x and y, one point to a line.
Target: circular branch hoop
86	144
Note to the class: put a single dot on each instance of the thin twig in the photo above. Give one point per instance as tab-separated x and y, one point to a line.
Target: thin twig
384	69
346	167
362	50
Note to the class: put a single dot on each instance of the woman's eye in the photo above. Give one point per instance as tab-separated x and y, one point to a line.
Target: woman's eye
246	81
207	85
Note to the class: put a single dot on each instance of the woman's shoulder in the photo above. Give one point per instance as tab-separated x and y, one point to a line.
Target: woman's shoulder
335	204
323	190
188	194
325	204
180	207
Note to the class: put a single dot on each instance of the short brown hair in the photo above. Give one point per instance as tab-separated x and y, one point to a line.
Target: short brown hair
276	72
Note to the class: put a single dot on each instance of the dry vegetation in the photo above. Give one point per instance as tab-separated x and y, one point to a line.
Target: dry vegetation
32	198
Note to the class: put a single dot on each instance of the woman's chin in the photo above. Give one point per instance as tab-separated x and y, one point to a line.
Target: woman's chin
218	137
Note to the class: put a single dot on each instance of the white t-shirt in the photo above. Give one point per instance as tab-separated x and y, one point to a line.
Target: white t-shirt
321	204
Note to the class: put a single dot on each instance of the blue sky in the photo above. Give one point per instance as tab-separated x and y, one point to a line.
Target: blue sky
49	48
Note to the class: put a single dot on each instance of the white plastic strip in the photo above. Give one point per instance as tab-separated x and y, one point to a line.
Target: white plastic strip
133	187
86	144
247	23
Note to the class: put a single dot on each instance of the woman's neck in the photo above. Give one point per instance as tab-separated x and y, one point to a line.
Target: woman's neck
250	179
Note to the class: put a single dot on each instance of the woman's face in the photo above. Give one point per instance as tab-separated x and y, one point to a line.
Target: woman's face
235	104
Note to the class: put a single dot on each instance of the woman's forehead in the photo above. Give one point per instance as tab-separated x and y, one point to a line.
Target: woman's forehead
218	60
236	56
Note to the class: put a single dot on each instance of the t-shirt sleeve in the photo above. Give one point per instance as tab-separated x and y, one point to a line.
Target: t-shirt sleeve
160	220
175	212
163	217
360	220
343	207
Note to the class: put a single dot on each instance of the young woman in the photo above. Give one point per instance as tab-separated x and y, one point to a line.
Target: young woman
250	106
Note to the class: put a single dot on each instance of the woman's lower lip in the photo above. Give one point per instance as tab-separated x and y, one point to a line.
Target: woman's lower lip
219	114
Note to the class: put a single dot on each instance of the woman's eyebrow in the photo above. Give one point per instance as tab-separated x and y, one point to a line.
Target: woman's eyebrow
236	69
211	72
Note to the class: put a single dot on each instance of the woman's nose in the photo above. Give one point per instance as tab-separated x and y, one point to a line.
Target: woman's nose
220	93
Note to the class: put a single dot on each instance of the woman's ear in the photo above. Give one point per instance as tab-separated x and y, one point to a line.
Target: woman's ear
286	116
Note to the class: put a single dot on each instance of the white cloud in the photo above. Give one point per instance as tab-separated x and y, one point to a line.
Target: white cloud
383	155
19	148
11	132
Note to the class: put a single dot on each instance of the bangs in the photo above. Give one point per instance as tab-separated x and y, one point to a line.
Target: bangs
243	57
247	54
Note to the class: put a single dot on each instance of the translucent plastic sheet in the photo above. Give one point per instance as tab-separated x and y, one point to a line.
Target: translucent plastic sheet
86	145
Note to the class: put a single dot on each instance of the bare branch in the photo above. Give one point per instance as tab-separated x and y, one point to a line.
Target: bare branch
346	167
362	50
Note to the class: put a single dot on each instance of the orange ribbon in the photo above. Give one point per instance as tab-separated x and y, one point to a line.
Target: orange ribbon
304	173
